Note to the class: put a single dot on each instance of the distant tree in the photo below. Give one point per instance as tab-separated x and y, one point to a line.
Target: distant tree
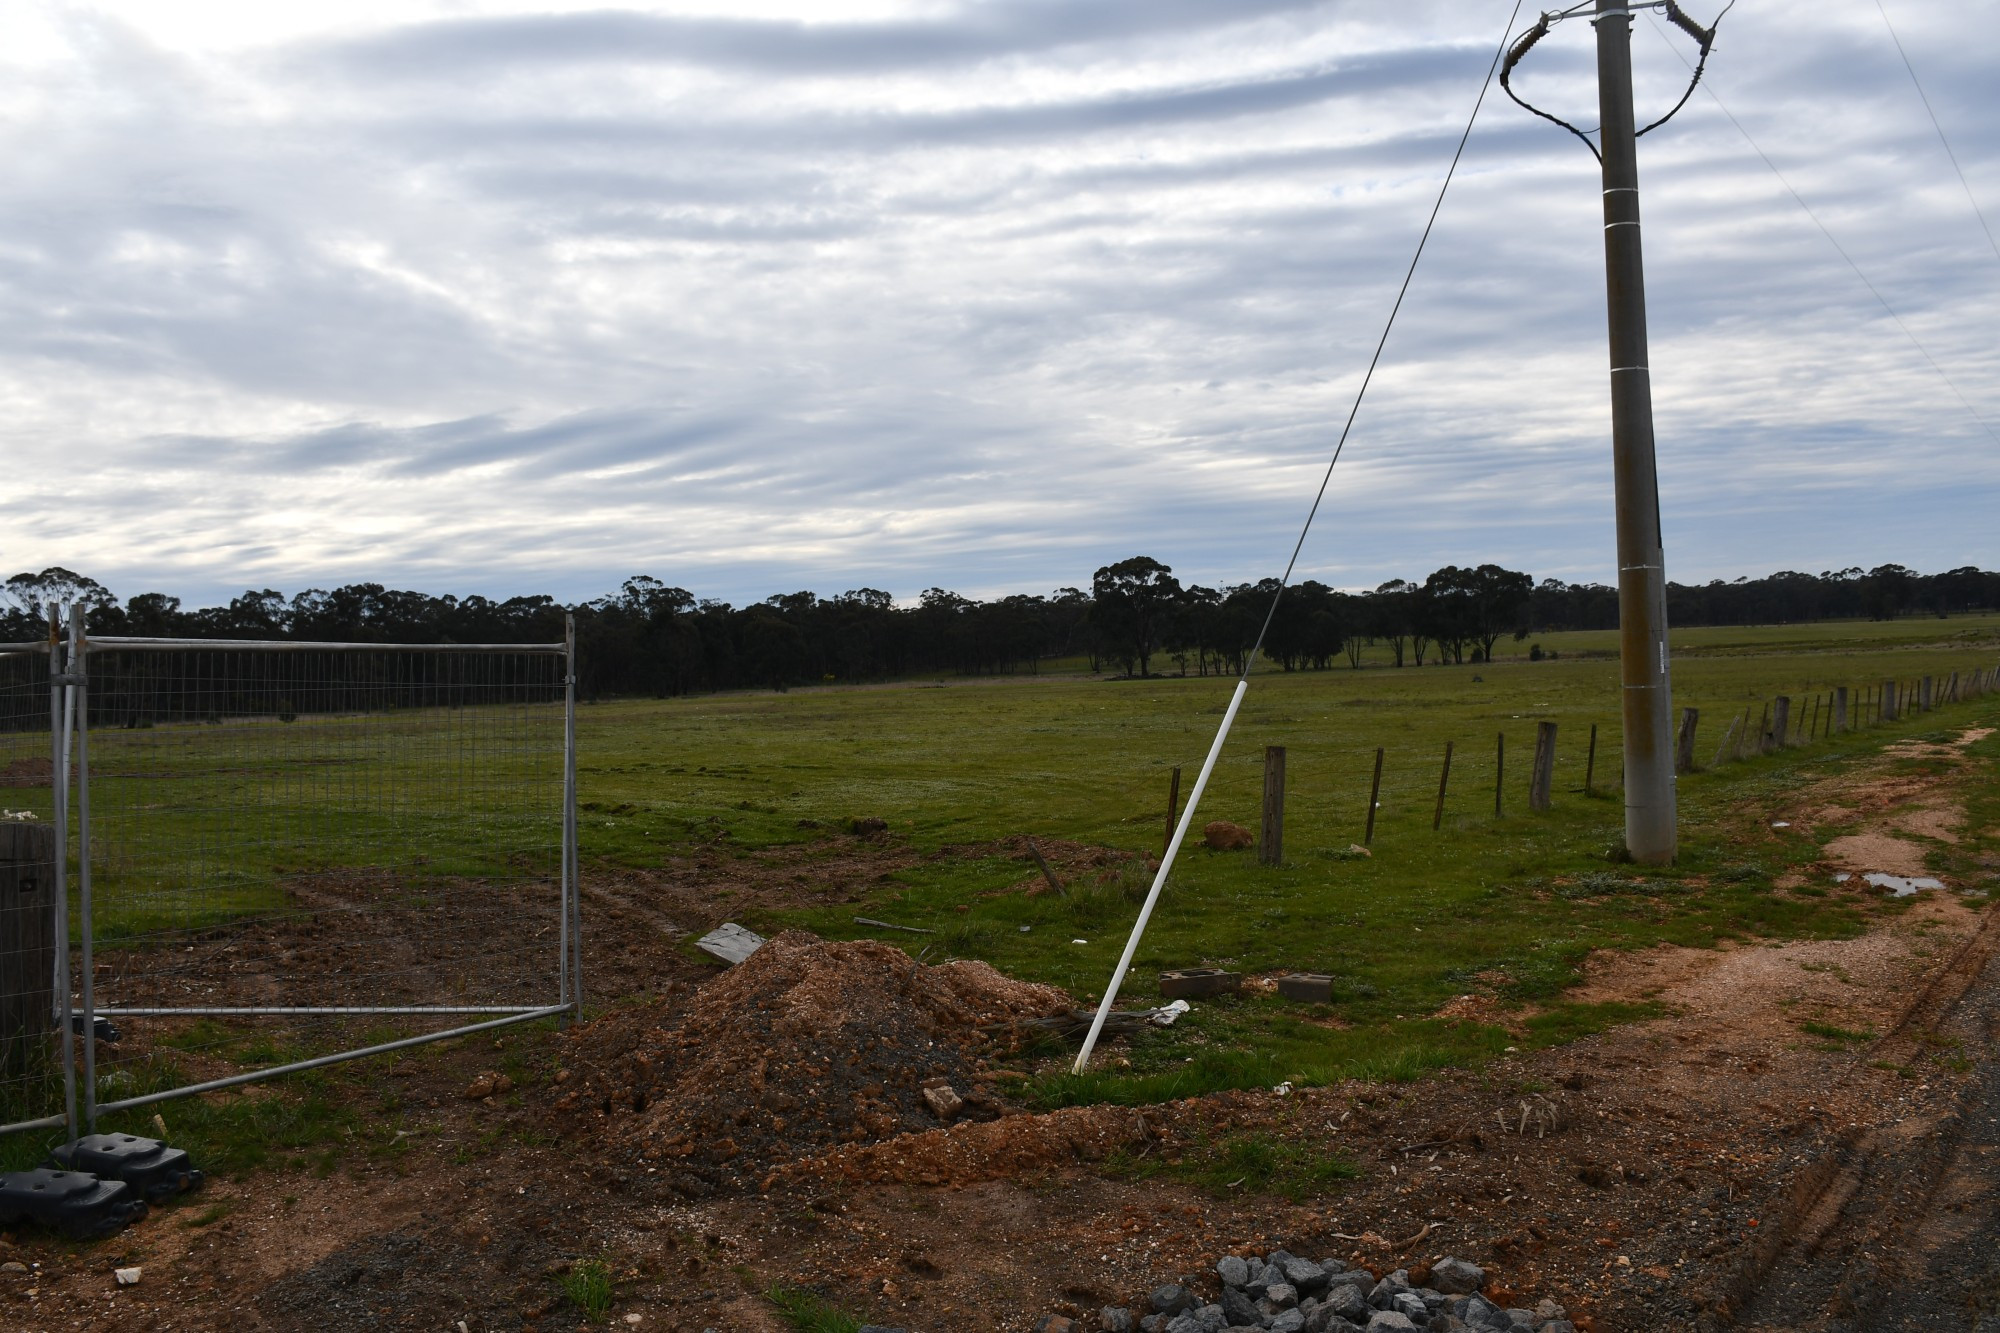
1133	601
56	587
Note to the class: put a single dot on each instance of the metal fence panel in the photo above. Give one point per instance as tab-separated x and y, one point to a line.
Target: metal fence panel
291	854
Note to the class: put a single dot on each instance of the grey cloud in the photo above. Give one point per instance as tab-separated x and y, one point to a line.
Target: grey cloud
973	33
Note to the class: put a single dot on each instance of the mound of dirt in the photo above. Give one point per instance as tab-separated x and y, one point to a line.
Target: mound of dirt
805	1045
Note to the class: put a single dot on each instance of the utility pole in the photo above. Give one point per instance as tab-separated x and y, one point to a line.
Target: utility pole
1642	581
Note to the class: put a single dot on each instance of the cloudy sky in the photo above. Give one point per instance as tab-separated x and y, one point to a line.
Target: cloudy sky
755	295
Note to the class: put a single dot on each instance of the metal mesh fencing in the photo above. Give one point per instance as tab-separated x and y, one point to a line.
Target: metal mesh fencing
31	1084
290	854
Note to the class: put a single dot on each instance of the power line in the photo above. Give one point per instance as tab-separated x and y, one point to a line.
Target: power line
1380	343
1799	199
1250	658
1969	197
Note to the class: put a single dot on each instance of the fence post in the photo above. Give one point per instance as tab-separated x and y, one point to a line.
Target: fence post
1590	764
1374	799
1764	731
1924	693
1542	777
1499	771
1885	707
1781	723
1812	726
1684	751
1444	777
1839	710
1271	849
1173	808
1728	734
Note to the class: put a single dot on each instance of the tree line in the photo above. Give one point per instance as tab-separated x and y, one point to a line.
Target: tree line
1136	618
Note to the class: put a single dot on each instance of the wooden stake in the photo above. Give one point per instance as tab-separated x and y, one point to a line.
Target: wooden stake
1684	749
1173	809
1047	873
1271	850
1374	799
1541	778
1590	764
1499	771
1444	777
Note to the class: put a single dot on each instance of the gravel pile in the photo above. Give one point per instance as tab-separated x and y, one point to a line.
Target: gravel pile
804	1045
1283	1293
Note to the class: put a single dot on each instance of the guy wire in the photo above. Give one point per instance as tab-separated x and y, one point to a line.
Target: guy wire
1285	581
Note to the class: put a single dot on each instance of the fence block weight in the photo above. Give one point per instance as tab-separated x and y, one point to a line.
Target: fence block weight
1444	779
1684	748
1541	779
1374	799
1271	849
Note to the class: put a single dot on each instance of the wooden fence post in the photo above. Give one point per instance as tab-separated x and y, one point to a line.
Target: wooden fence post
1444	777
1374	799
1812	727
1885	707
1542	778
1764	731
1499	771
1781	720
1173	809
1684	750
1839	709
1590	764
1728	735
1271	849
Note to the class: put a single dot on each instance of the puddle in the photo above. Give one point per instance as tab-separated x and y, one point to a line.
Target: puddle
1899	886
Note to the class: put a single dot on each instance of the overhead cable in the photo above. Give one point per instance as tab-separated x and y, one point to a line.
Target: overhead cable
1936	125
1250	658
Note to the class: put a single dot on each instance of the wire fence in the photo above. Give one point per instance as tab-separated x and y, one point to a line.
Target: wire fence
1364	796
287	854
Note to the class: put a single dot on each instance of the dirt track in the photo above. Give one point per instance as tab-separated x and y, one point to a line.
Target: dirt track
1717	1167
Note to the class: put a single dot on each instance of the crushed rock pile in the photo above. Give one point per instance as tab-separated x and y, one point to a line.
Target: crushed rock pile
805	1045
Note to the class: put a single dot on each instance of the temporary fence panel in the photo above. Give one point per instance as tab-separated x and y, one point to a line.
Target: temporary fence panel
288	854
31	891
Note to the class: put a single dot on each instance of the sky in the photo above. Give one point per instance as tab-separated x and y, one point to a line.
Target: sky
761	296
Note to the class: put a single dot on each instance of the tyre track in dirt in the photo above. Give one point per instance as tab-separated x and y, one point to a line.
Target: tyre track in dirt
1882	1231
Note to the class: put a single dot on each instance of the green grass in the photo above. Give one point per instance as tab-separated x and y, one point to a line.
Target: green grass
1245	1164
1838	1035
587	1284
1508	905
809	1313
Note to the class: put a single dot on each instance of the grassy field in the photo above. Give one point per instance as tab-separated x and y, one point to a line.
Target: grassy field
1506	904
1514	901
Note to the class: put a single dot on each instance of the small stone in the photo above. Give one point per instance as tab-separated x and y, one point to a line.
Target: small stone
1389	1321
1053	1323
1236	1307
1546	1309
1411	1304
1346	1301
11	1266
1482	1313
127	1277
1558	1326
1304	1274
1171	1299
1232	1270
479	1089
1211	1318
1153	1323
1287	1321
635	1318
1115	1319
1522	1318
1279	1296
1324	1320
1184	1323
1388	1288
1456	1277
943	1101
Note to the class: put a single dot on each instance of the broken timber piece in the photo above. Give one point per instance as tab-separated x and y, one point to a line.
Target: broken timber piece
1047	873
1311	987
1192	983
890	925
730	942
